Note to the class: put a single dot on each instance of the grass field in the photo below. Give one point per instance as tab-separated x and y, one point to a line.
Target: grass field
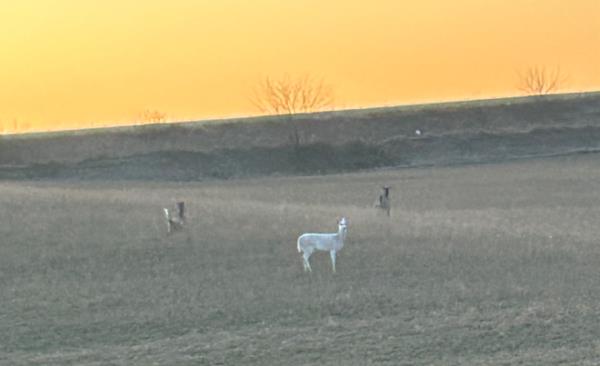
483	264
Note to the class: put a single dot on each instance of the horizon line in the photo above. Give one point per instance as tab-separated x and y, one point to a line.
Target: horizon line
225	119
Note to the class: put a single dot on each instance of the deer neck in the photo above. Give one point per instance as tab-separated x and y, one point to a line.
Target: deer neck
341	234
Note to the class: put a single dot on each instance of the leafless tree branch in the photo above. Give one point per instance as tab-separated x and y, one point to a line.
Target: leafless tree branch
152	116
291	95
537	80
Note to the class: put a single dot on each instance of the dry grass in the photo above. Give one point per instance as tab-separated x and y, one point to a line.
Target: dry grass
489	264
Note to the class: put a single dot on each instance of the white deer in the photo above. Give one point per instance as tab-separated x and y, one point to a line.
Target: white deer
329	242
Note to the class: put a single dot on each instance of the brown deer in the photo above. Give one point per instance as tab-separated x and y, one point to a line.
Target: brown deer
384	202
177	222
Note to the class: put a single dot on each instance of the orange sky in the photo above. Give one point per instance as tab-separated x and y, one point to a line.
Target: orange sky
80	63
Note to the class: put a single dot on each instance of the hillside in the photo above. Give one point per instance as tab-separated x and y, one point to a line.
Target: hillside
474	131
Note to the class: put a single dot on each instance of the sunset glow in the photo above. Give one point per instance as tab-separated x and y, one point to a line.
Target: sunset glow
76	64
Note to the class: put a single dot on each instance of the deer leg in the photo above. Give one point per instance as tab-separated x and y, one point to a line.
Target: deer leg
332	254
306	256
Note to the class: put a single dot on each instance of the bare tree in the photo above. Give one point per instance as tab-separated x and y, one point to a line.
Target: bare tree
540	80
291	95
152	116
